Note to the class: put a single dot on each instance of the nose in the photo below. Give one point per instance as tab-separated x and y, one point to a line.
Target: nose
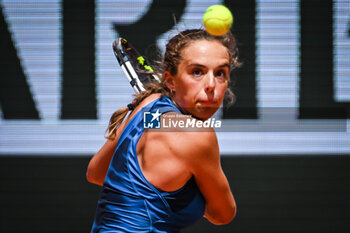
210	83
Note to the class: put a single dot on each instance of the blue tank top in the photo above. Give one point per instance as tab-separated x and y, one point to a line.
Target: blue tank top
129	203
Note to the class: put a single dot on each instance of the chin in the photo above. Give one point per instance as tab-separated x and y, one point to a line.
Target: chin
202	112
205	115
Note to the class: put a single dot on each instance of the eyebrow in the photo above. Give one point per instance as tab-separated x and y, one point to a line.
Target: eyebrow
200	65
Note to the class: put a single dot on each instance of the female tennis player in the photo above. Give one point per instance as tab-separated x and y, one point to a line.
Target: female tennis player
164	181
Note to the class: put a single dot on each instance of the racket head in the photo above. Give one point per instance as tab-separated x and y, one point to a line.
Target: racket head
127	54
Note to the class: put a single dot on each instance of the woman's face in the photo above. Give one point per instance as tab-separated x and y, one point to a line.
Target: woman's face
202	78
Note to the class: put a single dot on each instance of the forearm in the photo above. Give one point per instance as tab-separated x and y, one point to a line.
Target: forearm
218	218
99	164
219	211
97	170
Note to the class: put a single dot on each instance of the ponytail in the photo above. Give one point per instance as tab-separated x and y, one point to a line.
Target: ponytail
118	117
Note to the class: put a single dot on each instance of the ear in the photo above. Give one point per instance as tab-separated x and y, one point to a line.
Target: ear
169	80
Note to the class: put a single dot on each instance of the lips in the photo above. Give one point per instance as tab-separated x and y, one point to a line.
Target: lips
209	103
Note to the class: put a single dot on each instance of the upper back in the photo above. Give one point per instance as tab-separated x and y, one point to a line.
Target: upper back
132	177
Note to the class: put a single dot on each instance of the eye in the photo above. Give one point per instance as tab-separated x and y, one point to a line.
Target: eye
197	72
222	74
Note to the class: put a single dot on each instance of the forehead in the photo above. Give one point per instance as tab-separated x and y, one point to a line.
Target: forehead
205	51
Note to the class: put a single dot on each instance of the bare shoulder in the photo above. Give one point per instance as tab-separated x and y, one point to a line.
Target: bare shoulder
191	143
146	101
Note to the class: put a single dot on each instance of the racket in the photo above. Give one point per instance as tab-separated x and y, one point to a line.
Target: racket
136	69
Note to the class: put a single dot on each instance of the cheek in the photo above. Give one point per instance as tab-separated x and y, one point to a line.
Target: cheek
187	92
221	89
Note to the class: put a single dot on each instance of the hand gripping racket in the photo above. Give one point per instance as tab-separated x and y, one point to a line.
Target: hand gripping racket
134	66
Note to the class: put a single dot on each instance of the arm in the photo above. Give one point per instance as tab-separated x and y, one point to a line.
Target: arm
204	163
98	165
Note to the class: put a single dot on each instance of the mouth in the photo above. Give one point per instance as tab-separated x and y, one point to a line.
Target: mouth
208	103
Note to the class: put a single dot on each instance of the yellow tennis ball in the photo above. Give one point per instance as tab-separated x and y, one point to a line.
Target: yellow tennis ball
217	20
